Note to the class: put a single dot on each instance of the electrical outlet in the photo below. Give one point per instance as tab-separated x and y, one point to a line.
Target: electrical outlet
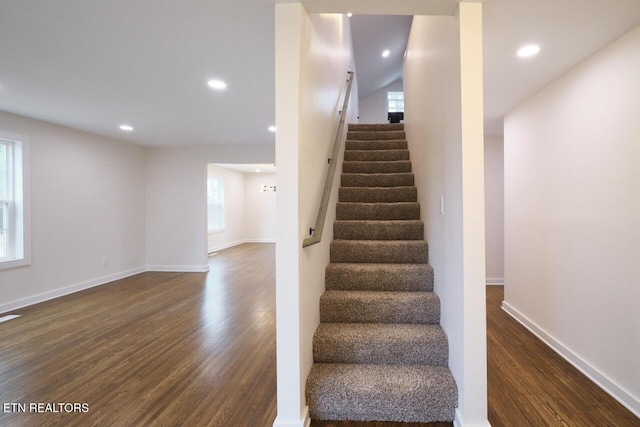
105	261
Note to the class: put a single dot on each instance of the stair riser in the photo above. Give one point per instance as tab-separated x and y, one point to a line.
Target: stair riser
377	194
419	394
376	127
367	277
410	252
376	180
376	135
419	308
377	211
377	230
377	167
419	350
375	155
385	144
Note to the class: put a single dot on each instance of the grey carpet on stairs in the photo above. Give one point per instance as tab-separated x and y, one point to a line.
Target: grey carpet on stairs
379	352
390	166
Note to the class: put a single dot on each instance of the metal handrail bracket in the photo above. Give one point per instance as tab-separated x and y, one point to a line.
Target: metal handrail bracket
316	232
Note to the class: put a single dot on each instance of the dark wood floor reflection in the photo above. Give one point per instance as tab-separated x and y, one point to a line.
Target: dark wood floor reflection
531	385
168	349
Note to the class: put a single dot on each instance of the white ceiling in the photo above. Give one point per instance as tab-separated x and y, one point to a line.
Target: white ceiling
372	34
568	32
95	65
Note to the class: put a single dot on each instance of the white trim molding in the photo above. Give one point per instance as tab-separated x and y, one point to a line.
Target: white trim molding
236	243
56	293
459	421
179	268
600	379
305	420
495	281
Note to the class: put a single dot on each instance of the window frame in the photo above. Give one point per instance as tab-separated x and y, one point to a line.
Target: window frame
18	213
395	100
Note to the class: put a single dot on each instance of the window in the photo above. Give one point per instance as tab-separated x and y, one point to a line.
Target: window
14	207
395	101
215	204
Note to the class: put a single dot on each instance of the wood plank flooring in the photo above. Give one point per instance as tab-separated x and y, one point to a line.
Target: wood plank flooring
198	349
531	385
169	349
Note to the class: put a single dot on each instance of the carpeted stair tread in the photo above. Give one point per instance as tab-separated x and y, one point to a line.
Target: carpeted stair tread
379	352
380	343
379	307
375	155
378	230
394	166
373	144
379	277
385	251
399	210
400	393
378	194
375	127
376	135
377	179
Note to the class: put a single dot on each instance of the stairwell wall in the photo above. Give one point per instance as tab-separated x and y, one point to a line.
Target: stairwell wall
313	55
572	209
443	87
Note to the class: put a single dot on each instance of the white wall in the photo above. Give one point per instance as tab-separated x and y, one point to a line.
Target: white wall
176	202
260	208
373	108
234	209
250	214
572	209
87	202
443	120
313	55
494	207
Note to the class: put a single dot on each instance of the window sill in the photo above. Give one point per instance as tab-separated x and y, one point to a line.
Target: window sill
12	263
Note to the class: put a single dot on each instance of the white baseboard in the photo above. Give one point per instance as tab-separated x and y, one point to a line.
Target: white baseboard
46	296
304	421
600	379
225	246
236	243
179	268
459	421
495	281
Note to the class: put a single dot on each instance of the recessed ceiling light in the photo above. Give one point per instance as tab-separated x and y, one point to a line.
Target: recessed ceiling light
126	128
272	129
386	53
349	14
529	50
217	84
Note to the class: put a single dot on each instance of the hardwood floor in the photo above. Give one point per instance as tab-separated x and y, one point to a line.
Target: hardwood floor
531	385
194	349
199	350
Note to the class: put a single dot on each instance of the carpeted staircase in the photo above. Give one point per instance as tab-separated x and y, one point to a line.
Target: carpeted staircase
379	352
